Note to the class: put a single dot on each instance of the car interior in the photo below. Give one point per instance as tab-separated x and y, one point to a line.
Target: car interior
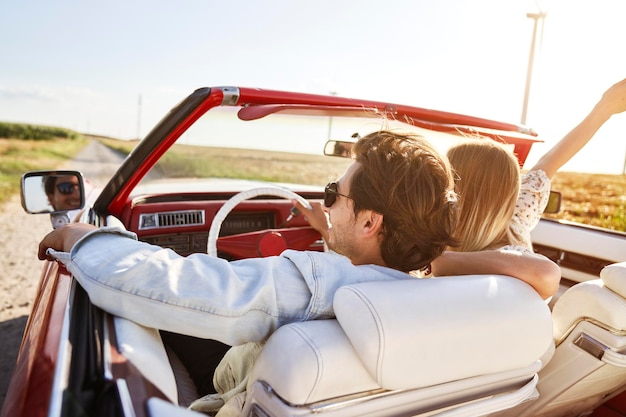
421	347
559	358
385	348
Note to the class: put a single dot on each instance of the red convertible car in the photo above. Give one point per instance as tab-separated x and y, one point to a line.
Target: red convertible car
459	346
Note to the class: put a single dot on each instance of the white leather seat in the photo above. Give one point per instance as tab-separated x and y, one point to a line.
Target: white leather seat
589	363
143	348
469	345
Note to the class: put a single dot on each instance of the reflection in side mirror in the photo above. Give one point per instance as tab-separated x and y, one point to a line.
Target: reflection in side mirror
52	191
554	203
339	148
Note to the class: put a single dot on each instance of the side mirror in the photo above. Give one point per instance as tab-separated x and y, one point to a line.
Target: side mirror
338	148
52	191
554	203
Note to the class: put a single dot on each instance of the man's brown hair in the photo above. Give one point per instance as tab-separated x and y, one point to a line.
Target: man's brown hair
404	178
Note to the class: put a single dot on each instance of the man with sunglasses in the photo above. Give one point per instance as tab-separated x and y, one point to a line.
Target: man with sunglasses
392	212
63	191
536	270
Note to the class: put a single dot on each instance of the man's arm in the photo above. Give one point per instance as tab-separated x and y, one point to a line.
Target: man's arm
536	270
63	238
198	295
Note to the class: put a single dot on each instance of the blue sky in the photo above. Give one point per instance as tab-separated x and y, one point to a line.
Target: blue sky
84	64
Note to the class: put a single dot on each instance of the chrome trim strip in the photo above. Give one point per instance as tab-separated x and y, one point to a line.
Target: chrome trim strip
612	330
184	214
107	363
125	400
501	399
62	367
335	403
591	346
600	351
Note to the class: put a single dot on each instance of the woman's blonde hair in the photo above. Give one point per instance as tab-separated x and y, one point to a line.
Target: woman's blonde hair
487	181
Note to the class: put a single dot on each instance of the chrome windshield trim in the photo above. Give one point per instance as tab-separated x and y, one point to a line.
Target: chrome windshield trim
231	96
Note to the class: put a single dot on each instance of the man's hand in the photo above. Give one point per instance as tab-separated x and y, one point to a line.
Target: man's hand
63	238
316	217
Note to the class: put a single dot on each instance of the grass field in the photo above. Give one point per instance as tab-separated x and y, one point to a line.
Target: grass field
18	156
594	199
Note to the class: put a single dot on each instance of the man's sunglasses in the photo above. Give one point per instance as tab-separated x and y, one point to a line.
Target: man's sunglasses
331	194
66	187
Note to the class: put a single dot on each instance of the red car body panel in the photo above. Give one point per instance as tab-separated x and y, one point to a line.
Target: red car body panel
31	386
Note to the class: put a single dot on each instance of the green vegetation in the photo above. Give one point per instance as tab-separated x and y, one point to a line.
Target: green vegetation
35	132
28	148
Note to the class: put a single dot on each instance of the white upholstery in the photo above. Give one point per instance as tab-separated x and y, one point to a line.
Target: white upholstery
589	363
320	354
412	334
602	299
143	347
614	277
472	335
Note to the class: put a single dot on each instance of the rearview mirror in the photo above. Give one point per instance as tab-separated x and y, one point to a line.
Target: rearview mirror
339	148
554	203
52	191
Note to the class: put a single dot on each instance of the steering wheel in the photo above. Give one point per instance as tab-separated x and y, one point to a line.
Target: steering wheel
264	242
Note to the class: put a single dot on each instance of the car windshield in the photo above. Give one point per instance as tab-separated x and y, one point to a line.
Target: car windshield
272	146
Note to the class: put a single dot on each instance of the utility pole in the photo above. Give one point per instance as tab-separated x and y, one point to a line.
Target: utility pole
139	118
538	18
330	118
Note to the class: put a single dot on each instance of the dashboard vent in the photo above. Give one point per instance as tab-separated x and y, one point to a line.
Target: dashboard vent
171	219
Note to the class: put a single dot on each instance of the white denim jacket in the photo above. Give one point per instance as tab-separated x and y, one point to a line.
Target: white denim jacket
199	295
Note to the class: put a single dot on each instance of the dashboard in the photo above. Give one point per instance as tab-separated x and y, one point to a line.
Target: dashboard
182	222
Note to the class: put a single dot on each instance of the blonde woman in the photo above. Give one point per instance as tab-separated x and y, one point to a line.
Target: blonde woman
500	206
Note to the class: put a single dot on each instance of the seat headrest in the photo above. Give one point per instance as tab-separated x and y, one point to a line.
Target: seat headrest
603	300
614	277
476	324
311	361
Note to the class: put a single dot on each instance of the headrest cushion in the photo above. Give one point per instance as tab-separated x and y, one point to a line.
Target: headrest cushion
603	300
614	277
477	324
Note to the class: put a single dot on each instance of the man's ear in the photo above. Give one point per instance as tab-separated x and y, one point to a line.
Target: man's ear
372	223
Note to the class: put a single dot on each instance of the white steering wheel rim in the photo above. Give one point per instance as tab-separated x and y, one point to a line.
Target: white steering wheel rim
216	224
